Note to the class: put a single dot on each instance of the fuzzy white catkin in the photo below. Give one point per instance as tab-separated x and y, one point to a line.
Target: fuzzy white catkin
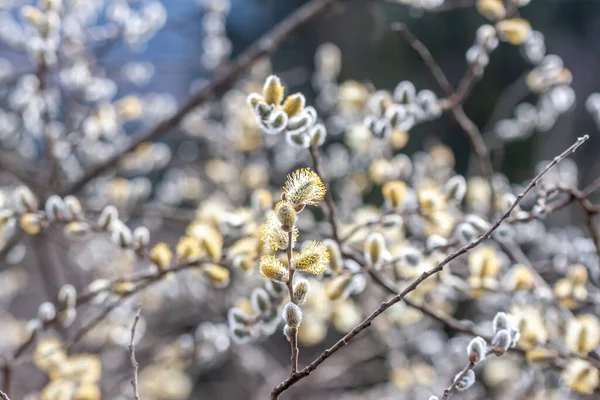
466	233
67	296
292	315
108	216
54	208
260	301
46	311
500	321
141	236
73	209
466	381
502	341
476	350
456	188
301	289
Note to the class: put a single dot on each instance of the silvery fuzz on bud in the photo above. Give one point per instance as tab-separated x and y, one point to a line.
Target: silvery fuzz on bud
436	242
476	350
237	316
67	296
456	188
275	289
466	233
260	301
46	312
121	234
141	236
73	209
108	215
292	315
67	317
500	322
55	208
240	334
501	342
465	381
318	134
410	256
288	332
25	200
375	249
301	289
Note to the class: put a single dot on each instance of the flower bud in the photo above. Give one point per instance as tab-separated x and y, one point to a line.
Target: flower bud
161	255
301	289
54	208
501	342
466	233
478	223
25	200
240	334
217	275
237	316
253	99
260	301
277	122
294	104
73	209
336	262
121	234
514	31
465	381
108	216
77	230
374	249
31	223
275	289
394	193
340	287
67	317
141	236
491	9
273	90
46	312
67	296
500	322
271	268
286	215
262	110
289	332
318	134
410	256
456	188
298	139
292	315
476	350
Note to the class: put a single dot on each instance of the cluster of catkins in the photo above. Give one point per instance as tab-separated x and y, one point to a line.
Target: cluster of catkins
401	110
274	115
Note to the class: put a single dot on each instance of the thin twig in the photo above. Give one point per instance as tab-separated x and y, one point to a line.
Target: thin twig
134	364
400	296
4	396
456	109
266	45
329	205
290	286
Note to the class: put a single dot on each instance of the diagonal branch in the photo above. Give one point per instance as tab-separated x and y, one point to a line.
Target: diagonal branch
438	268
266	45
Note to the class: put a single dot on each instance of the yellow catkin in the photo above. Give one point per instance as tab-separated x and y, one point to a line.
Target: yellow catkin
314	258
304	187
514	30
162	256
31	224
271	268
294	104
273	90
217	275
394	193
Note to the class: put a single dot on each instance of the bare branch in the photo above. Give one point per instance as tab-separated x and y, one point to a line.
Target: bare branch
438	268
134	364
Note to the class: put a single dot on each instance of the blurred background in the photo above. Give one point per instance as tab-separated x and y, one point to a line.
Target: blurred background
180	56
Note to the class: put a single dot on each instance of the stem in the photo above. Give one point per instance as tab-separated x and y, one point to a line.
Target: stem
290	286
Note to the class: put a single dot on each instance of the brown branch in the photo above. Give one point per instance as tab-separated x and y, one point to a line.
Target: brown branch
266	45
400	296
134	364
329	205
290	286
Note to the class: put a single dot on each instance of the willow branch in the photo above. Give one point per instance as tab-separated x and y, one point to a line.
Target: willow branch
134	364
411	287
